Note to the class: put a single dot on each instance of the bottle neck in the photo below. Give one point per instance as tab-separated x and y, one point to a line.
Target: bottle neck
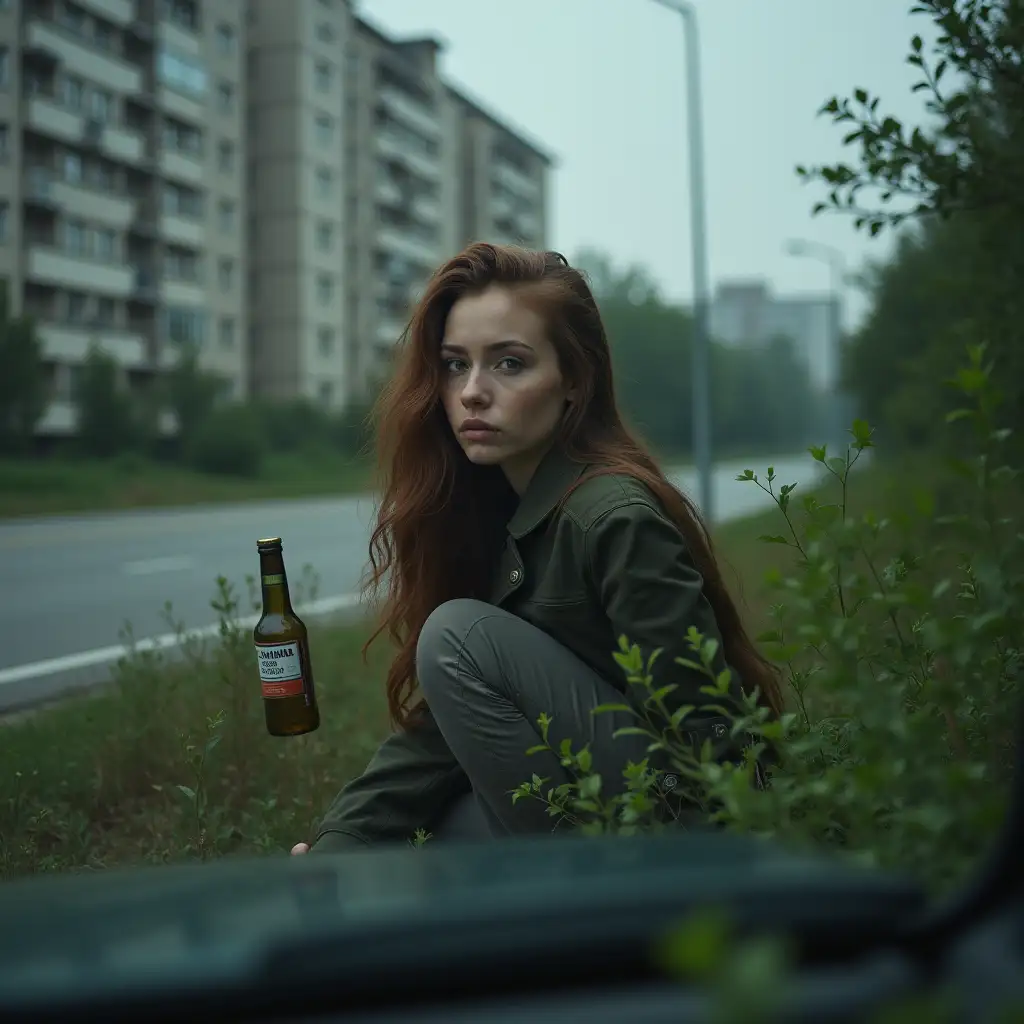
274	584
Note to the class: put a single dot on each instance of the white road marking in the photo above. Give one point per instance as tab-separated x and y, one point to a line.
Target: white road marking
150	566
105	655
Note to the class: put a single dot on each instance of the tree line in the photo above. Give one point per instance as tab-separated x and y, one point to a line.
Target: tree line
207	430
762	399
952	195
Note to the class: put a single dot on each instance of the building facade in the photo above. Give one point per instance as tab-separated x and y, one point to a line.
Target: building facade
745	314
269	182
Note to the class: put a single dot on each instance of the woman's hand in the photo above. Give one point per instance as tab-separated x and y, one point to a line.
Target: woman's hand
300	848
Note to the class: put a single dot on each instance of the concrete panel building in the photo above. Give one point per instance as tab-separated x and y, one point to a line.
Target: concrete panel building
745	314
122	195
269	182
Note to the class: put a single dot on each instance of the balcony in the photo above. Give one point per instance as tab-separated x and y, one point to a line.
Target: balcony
88	204
391	148
182	293
124	145
70	344
181	167
179	105
516	181
144	286
51	266
394	240
120	11
94	65
180	39
40	190
60	418
389	330
45	117
183	231
411	113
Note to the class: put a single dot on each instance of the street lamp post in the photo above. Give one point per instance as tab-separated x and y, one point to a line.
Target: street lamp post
836	263
701	355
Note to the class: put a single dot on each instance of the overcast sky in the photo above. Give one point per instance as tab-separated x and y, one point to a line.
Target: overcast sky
601	83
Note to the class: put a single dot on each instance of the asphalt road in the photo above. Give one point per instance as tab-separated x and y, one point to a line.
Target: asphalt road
68	584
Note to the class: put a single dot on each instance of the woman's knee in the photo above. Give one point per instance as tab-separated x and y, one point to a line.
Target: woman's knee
443	637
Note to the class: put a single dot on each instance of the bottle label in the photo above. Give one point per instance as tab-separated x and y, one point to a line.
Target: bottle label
274	580
280	669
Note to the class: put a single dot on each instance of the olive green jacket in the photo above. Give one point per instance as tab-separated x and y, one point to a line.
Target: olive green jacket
608	563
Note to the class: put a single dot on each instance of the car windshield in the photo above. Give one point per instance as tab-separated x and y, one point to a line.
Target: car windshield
760	412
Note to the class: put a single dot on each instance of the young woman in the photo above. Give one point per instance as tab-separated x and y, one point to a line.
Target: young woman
522	530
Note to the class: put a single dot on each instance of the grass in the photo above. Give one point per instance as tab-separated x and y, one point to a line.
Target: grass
125	777
56	485
53	486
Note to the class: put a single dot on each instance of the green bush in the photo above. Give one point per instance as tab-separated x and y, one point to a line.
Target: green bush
901	639
230	441
108	420
295	425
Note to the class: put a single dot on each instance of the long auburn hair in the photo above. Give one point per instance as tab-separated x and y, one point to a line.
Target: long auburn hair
441	520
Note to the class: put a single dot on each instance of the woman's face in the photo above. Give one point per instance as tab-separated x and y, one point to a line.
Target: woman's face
503	391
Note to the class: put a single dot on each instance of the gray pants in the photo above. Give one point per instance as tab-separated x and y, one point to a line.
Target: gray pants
487	676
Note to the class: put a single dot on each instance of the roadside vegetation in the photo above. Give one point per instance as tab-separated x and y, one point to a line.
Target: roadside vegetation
171	761
892	598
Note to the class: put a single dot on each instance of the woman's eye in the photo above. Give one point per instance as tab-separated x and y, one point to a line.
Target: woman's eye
452	365
510	363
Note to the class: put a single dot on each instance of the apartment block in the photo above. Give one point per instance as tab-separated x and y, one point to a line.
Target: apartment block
745	314
269	182
503	176
121	188
296	179
383	152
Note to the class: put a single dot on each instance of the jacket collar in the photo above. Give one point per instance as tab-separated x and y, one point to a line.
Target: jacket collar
556	473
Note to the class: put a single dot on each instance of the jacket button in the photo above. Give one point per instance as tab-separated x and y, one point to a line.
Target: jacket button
514	576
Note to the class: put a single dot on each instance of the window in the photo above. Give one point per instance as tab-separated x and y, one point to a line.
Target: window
326	391
325	340
325	236
181	202
76	238
226	275
5	210
72	17
225	40
323	183
324	289
182	137
227	216
226	157
227	333
181	72
99	104
226	97
103	35
183	13
102	175
69	92
324	130
324	32
5	142
71	166
184	326
106	311
106	244
5	65
77	304
181	265
322	76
